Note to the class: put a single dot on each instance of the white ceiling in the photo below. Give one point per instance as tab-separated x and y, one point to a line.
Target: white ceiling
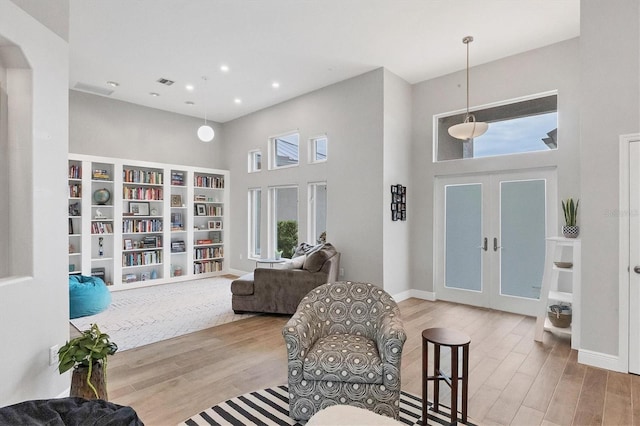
302	44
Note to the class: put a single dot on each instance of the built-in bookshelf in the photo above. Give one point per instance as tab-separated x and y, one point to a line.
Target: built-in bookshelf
75	217
144	223
208	222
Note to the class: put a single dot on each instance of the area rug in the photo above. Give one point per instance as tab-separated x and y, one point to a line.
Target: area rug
271	407
147	315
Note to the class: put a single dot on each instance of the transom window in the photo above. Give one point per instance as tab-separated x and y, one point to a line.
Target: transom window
524	126
284	150
255	161
318	149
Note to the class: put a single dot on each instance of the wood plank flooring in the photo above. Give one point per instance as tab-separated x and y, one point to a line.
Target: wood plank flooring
513	379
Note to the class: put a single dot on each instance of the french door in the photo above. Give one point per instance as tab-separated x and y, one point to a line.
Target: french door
490	232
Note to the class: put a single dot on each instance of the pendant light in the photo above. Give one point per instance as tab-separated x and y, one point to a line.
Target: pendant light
205	132
470	128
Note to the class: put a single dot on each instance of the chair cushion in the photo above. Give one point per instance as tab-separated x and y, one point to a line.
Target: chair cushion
314	261
243	286
343	358
87	296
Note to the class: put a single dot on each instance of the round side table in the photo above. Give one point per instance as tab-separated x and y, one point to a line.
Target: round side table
454	340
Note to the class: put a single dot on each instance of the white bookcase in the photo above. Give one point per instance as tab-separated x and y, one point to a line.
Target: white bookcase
561	285
149	226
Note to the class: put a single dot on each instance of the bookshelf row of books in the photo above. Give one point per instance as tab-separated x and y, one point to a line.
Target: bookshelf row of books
149	241
212	210
177	178
131	226
75	171
101	228
75	190
207	253
208	181
178	247
142	258
138	193
142	176
206	266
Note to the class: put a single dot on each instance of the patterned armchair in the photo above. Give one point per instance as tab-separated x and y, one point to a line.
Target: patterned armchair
344	346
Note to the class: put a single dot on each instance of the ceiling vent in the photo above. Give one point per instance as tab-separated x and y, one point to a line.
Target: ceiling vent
165	81
93	89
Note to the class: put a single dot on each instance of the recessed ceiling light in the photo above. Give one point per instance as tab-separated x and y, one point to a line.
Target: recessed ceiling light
189	87
154	94
224	68
275	84
189	103
113	83
237	100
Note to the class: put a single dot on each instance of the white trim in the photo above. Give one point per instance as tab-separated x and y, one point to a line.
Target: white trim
600	360
312	149
417	294
624	247
238	272
251	162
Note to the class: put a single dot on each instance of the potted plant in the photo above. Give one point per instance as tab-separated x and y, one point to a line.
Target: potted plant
87	355
570	209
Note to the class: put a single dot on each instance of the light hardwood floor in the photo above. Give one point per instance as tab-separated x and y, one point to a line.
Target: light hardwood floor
513	380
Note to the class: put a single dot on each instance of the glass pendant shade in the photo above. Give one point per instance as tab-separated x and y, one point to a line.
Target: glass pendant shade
469	129
206	133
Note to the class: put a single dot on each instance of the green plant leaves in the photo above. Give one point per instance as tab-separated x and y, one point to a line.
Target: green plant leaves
570	210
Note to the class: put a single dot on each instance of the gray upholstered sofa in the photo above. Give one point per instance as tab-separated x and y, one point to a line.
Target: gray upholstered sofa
279	291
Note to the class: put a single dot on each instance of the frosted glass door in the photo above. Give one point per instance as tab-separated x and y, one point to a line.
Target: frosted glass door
490	235
463	235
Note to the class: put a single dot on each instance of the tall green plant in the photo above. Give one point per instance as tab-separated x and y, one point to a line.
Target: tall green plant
91	347
570	210
287	237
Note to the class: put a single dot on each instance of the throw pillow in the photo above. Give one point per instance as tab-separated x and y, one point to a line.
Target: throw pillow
302	249
315	260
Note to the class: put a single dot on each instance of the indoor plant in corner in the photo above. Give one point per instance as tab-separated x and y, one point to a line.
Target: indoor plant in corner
570	209
87	354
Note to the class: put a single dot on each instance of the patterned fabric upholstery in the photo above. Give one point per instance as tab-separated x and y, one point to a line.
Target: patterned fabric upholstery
344	346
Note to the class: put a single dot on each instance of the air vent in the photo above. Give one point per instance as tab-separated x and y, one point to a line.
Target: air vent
93	89
165	81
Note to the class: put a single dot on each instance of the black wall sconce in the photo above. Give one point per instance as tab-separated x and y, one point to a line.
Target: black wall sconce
398	202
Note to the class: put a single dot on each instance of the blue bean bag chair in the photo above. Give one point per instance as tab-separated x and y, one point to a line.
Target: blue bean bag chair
87	296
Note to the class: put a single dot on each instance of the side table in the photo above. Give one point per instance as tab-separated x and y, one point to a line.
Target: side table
454	340
270	262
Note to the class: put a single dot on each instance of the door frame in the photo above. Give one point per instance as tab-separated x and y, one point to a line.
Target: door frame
491	276
624	274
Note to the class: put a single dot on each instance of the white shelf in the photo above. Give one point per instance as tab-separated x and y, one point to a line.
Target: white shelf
561	249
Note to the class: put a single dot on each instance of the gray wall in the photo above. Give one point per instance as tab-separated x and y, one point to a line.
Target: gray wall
4	175
610	107
396	170
112	128
554	67
350	114
52	14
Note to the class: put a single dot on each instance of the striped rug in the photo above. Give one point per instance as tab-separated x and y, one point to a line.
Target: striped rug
271	407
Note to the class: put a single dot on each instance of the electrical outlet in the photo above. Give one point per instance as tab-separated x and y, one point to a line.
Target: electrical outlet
53	355
342	272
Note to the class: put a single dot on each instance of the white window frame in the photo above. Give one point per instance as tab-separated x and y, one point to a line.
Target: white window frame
252	165
254	223
272	150
311	209
313	149
272	224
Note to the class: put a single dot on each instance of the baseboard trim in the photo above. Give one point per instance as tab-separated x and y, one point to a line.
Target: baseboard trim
600	360
418	294
237	272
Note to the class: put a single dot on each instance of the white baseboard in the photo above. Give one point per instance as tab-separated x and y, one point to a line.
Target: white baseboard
600	360
418	294
237	272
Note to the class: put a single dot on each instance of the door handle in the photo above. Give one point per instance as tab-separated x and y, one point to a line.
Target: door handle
484	245
495	244
636	269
